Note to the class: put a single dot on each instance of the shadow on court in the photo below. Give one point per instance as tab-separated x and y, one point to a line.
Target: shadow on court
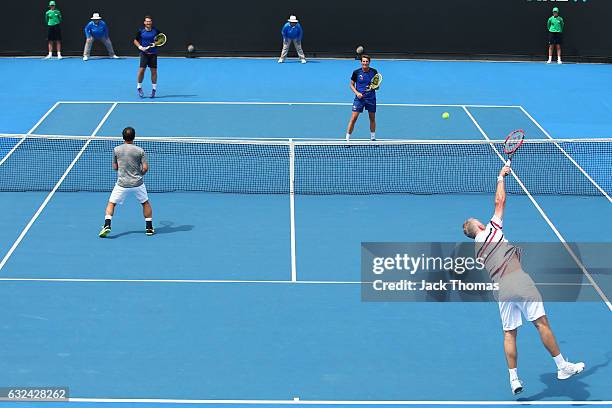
573	388
167	227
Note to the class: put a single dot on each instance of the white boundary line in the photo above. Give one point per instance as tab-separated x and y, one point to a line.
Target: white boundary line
284	103
50	195
602	295
297	401
601	190
220	281
292	208
325	58
225	281
51	109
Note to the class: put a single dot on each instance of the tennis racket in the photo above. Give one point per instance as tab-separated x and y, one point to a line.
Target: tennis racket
375	83
158	41
512	143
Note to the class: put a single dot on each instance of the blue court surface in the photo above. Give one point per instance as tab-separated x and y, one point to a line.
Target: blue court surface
254	297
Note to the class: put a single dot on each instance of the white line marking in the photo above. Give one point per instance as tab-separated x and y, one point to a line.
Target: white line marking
292	208
234	281
601	190
285	103
23	137
50	195
326	402
224	281
602	295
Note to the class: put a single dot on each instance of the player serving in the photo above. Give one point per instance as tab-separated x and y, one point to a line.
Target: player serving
130	162
364	83
518	293
145	40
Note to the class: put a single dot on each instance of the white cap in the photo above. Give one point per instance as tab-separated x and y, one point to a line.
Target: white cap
292	19
96	16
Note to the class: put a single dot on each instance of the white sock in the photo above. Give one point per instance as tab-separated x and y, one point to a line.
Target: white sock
513	374
154	86
559	361
372	135
148	219
139	86
108	217
549	58
348	136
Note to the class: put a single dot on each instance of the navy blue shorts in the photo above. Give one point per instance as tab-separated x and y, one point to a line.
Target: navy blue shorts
148	60
54	33
555	38
368	103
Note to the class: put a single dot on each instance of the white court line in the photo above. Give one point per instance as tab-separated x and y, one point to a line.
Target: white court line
602	295
284	103
50	195
292	208
226	281
601	190
297	401
51	109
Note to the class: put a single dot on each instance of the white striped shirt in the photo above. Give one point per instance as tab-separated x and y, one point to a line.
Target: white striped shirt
493	247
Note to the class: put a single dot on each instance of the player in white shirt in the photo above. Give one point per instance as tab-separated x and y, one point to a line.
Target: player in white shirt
518	293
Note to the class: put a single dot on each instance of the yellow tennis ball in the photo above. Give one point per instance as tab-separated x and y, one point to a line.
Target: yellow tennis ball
445	115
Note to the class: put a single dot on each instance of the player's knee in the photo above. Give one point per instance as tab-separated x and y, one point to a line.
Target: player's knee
541	322
510	334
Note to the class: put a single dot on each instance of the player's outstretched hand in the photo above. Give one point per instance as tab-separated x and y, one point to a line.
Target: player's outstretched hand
504	171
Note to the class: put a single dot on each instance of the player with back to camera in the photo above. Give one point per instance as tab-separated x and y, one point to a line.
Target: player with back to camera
517	291
130	162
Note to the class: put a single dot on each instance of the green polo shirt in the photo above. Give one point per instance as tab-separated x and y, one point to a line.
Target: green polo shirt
555	24
53	17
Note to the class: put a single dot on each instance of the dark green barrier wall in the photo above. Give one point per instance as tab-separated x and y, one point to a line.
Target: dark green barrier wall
332	27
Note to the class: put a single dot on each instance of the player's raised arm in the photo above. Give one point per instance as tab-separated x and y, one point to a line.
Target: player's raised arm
500	193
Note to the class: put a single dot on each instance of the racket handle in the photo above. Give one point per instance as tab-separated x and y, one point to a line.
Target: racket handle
508	162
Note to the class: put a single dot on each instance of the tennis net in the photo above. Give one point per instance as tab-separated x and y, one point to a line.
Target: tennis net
310	167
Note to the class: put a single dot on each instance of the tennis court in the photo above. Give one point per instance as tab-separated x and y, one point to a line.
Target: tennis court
250	291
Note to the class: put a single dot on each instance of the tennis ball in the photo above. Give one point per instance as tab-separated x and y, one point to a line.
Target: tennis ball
445	115
359	50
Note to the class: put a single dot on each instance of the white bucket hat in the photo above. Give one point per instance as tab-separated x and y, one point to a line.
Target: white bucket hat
292	19
96	16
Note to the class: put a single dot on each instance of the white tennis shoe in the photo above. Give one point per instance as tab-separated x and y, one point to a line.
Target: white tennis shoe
517	386
569	369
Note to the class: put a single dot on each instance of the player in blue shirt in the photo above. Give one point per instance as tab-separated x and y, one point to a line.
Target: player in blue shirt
364	98
148	57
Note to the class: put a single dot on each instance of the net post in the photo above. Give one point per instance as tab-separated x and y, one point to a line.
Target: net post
292	207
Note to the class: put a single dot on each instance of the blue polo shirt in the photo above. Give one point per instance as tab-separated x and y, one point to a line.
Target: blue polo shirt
146	38
362	79
96	31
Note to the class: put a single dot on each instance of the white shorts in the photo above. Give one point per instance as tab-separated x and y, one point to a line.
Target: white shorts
119	193
518	294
